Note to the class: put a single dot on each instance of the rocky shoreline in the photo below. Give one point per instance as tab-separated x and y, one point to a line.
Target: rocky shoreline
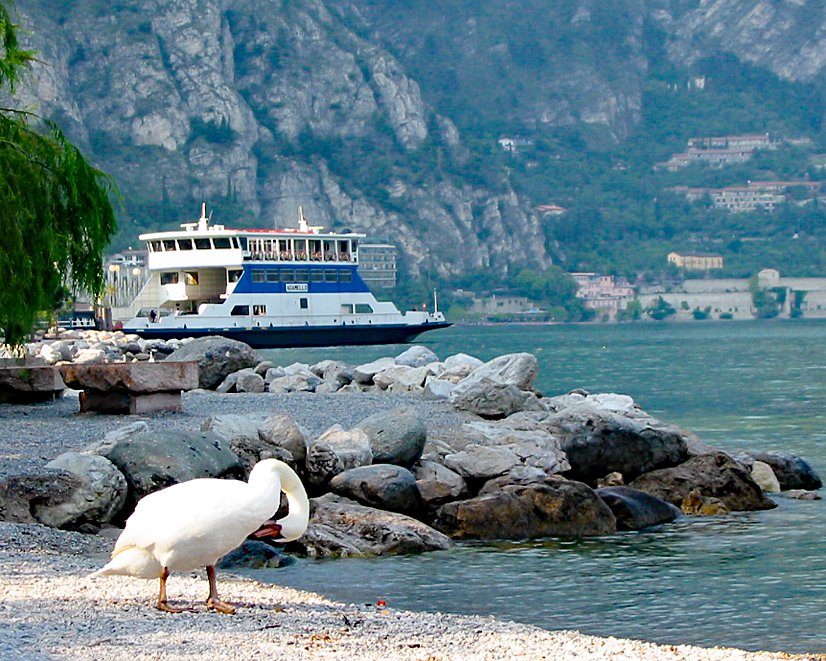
402	455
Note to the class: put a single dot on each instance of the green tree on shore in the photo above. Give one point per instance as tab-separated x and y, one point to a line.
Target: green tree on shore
55	208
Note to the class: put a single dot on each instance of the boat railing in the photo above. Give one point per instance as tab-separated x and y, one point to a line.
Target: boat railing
260	256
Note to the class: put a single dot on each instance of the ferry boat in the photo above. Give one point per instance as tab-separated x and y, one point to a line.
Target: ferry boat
268	288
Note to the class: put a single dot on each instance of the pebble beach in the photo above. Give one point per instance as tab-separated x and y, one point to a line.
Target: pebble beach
52	610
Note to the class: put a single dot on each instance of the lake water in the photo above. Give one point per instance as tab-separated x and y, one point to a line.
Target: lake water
753	580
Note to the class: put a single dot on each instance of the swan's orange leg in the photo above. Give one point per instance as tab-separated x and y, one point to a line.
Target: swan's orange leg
212	600
162	604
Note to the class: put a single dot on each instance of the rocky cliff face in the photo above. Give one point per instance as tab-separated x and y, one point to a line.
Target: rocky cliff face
787	37
350	108
190	100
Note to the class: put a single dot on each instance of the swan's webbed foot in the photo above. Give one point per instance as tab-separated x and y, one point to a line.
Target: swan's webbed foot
220	606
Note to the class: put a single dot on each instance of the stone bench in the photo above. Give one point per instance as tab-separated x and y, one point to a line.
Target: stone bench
29	383
131	387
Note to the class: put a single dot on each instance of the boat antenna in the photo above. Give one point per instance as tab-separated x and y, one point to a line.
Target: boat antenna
435	302
203	221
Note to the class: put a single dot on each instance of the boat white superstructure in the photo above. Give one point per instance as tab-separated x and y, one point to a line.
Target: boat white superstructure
268	288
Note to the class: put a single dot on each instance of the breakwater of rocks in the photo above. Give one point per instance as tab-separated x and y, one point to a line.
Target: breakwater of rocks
513	463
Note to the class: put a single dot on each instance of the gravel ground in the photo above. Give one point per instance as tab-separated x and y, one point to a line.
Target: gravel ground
52	611
32	435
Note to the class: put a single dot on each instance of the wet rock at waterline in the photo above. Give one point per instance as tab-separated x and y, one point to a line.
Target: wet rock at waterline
714	475
557	507
340	527
635	510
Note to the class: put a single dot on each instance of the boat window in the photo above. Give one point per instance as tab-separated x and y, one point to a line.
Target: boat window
303	303
257	275
155	246
259	310
184	244
363	308
343	252
300	249
346	308
331	275
317	275
169	244
238	243
240	310
202	244
221	242
315	250
191	277
169	278
234	275
302	275
287	275
272	275
345	276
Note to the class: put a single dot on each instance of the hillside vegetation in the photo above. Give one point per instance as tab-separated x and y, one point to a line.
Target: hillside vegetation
385	117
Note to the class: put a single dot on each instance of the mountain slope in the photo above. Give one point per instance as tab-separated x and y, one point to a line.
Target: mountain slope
383	116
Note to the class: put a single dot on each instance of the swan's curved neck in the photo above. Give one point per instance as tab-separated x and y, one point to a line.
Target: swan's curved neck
295	523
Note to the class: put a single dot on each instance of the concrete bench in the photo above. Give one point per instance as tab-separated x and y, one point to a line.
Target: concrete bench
131	387
29	383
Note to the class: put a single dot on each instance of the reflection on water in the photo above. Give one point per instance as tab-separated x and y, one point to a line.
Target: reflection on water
754	581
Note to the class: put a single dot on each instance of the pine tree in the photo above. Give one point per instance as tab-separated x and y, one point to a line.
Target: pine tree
56	215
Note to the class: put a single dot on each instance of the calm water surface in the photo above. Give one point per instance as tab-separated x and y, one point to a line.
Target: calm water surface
754	581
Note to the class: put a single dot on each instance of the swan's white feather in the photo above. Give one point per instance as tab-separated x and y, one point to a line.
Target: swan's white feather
195	523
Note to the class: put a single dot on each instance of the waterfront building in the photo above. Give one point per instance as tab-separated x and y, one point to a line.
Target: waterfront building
377	263
603	293
696	261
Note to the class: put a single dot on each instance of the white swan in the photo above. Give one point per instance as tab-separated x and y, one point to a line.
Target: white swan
193	524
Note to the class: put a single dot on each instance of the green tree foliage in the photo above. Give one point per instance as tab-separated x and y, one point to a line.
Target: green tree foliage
55	207
660	310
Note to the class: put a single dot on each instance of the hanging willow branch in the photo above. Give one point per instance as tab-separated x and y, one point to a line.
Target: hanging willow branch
56	216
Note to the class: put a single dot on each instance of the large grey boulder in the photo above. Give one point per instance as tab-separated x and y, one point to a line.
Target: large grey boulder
295	382
23	496
555	507
416	356
514	369
100	495
217	357
253	554
254	437
489	399
333	371
395	437
792	470
334	452
438	484
388	377
364	373
249	381
462	359
534	447
481	462
340	527
635	509
153	460
383	486
714	475
598	441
